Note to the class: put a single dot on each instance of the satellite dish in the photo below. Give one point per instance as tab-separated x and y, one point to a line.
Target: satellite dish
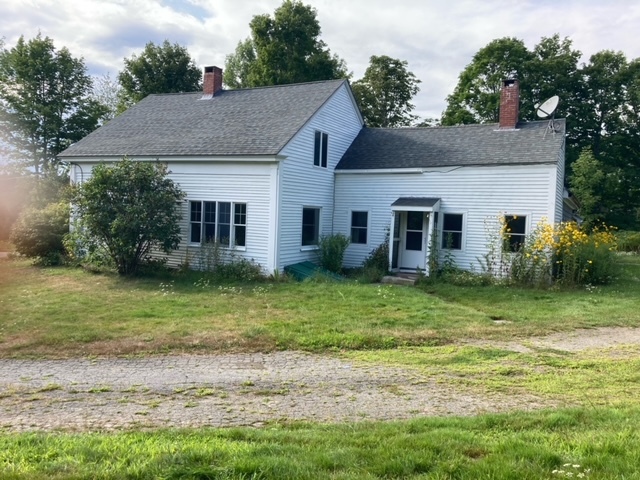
547	107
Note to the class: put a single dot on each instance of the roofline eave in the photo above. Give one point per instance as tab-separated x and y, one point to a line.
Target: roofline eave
264	158
430	168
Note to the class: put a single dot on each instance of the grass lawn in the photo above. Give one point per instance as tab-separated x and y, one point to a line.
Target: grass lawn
55	312
599	443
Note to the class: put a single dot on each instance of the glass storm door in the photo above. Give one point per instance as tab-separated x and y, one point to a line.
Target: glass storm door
413	251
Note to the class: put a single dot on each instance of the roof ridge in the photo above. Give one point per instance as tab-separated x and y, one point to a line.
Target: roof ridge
460	125
281	85
262	87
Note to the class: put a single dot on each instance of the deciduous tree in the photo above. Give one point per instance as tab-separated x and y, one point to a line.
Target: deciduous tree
384	93
476	98
283	48
108	92
166	68
45	103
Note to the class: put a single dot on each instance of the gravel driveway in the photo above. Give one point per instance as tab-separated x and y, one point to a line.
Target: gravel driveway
249	389
224	390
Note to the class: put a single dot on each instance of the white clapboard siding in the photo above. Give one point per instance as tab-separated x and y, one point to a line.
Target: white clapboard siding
559	187
480	193
304	185
250	183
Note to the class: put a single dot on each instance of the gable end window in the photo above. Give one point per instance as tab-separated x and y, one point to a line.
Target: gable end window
452	231
310	226
515	232
320	147
212	221
359	222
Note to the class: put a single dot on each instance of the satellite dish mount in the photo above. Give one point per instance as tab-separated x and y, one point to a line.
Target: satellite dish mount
547	109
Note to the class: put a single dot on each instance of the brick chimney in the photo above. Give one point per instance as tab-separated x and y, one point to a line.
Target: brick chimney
509	103
212	81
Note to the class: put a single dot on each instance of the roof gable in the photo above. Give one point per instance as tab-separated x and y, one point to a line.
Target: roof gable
258	121
385	148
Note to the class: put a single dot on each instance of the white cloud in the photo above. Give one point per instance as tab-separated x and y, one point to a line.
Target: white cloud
437	38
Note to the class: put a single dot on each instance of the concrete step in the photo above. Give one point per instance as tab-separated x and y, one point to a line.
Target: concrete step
399	280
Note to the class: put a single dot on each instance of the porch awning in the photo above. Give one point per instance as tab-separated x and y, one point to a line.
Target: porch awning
416	204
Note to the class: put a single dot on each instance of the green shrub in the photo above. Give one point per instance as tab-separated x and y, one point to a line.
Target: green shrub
583	258
376	265
331	250
629	241
39	233
132	208
85	250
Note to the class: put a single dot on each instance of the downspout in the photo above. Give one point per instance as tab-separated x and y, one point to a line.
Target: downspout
81	171
333	206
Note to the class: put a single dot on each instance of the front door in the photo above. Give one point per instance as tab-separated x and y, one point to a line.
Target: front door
413	252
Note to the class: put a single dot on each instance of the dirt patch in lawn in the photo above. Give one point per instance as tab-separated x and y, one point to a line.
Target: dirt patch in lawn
573	341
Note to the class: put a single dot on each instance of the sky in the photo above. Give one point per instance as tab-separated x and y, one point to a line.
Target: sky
437	38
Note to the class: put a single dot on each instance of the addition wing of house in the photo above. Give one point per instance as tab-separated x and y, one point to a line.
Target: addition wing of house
475	172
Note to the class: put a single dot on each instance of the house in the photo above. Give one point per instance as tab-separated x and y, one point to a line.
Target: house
267	171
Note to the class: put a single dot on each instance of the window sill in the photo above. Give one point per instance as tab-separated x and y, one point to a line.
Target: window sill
308	248
223	247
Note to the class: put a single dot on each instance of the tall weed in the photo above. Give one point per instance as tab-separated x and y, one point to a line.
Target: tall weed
564	253
223	264
331	250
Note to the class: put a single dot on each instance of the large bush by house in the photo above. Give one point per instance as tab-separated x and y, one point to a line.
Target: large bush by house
131	208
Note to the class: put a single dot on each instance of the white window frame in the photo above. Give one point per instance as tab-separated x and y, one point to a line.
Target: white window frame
232	223
319	227
462	232
527	229
366	228
321	147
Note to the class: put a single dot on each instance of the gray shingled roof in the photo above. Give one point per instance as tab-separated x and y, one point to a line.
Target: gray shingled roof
415	202
377	148
257	121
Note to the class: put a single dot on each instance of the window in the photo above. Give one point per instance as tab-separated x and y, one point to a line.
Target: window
515	231
452	231
320	149
414	234
224	223
240	224
310	226
359	227
211	221
196	222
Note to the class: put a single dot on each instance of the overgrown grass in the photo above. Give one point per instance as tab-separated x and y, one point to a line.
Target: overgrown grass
604	443
69	312
533	311
588	377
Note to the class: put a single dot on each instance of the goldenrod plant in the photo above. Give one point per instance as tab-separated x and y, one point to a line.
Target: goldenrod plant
564	253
